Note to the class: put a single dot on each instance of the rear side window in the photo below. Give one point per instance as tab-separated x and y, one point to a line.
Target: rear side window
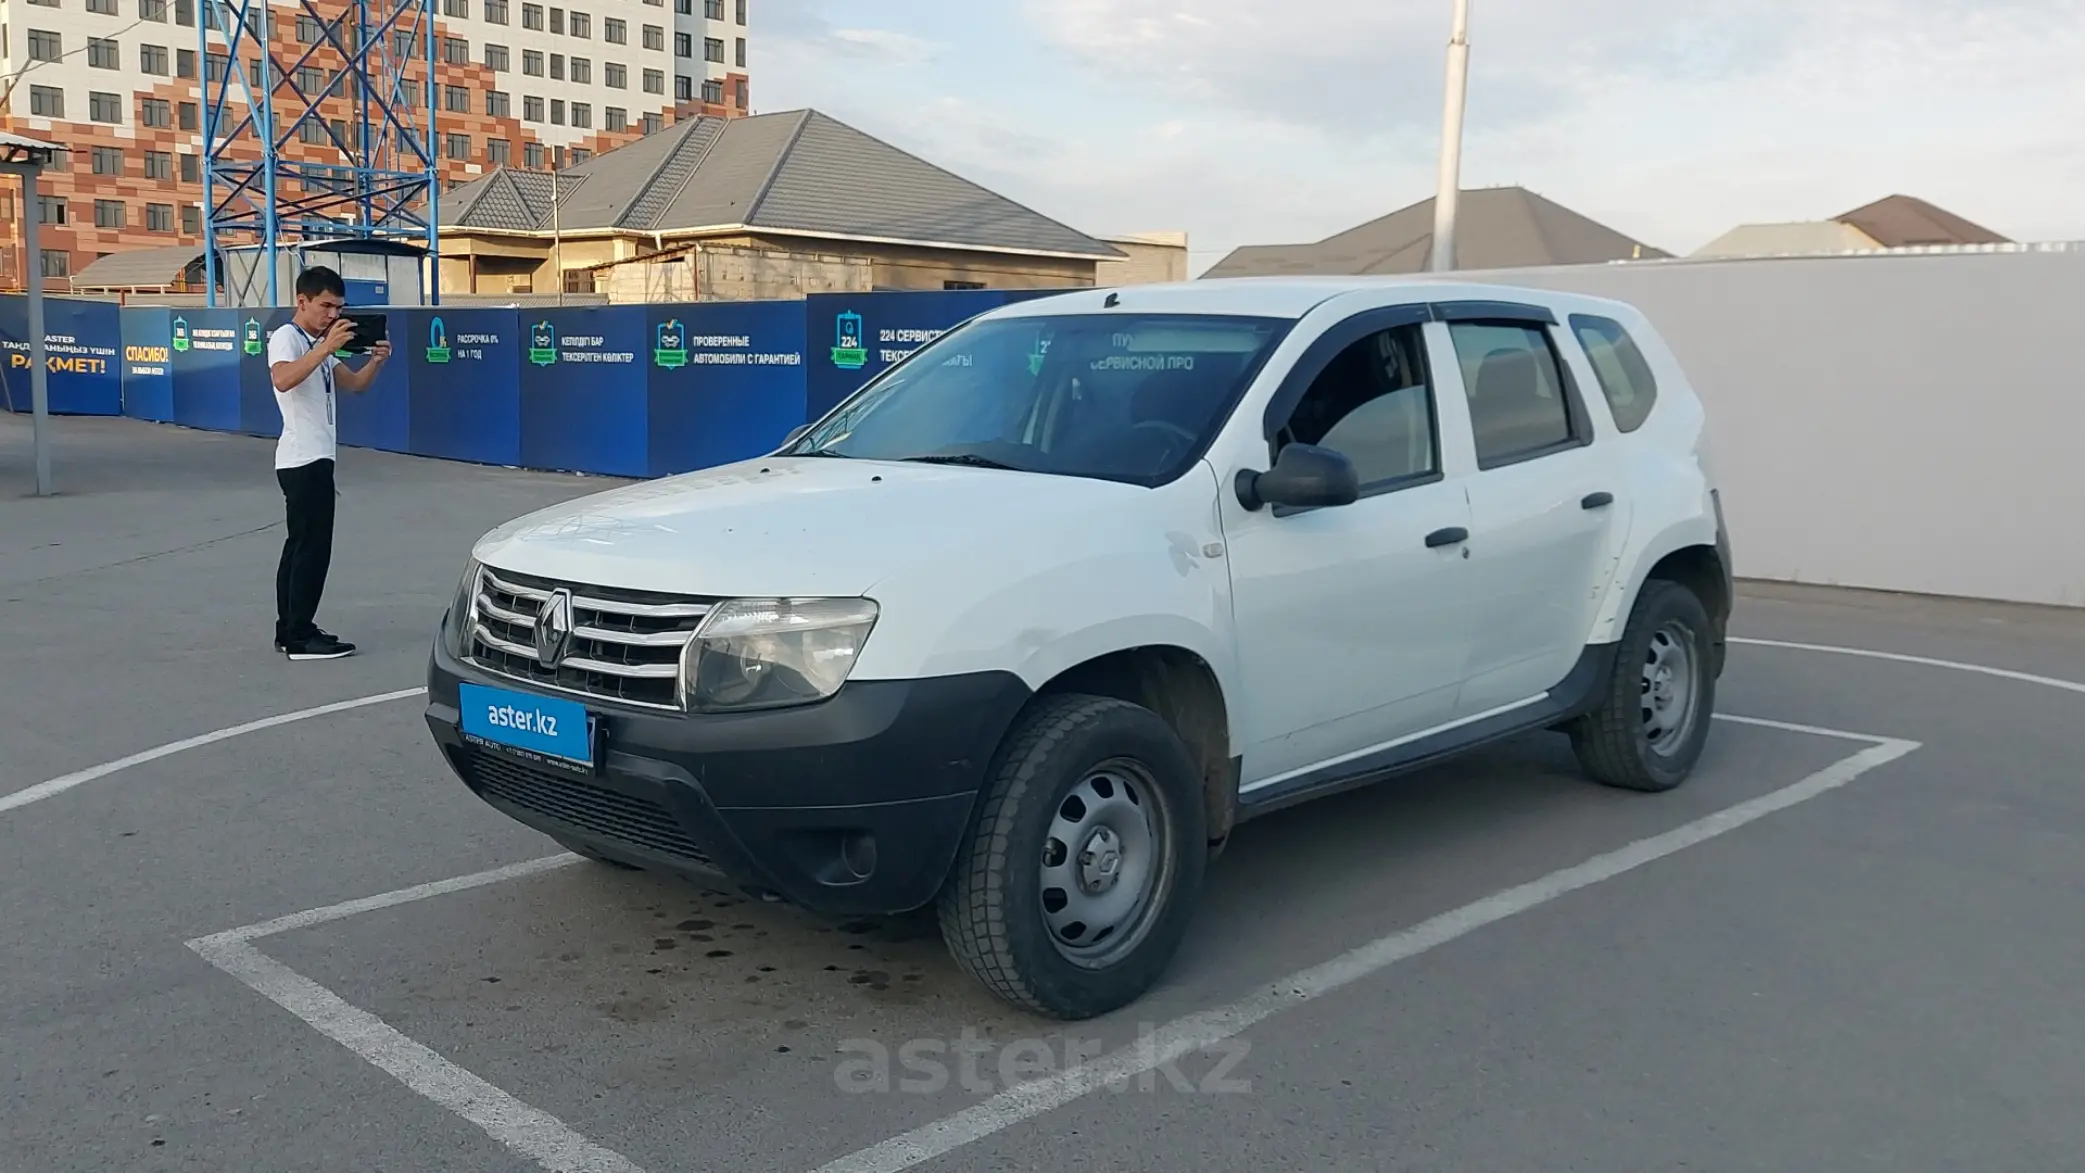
1515	389
1625	378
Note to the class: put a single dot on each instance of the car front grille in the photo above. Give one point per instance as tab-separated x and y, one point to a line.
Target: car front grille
625	646
577	804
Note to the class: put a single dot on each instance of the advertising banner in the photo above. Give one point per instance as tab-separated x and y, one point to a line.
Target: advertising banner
380	417
148	363
258	413
83	345
851	337
464	368
584	389
207	349
727	382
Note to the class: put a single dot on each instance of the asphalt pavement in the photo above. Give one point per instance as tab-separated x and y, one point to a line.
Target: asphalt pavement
1878	976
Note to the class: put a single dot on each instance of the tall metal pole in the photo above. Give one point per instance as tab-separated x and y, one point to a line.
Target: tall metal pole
557	235
1449	190
39	383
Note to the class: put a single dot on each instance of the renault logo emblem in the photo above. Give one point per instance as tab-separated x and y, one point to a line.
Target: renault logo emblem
554	628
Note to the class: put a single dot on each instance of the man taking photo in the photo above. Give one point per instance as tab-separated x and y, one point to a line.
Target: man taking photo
303	364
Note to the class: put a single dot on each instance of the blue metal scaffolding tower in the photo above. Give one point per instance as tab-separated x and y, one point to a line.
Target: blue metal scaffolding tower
384	185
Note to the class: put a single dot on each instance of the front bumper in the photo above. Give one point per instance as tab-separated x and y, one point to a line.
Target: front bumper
853	806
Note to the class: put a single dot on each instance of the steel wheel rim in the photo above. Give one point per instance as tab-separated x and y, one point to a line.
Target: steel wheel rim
1106	857
1670	690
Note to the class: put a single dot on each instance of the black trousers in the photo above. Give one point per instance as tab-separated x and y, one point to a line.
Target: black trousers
307	549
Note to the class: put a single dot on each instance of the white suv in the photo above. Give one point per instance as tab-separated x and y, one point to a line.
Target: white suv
1028	625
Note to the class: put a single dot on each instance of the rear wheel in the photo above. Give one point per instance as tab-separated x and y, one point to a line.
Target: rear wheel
1653	720
1081	878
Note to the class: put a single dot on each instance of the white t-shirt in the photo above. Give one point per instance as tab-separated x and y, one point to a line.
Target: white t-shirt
308	428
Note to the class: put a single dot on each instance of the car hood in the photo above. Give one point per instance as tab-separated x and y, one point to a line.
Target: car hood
786	525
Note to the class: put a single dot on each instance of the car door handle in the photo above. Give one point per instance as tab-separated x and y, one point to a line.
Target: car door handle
1447	537
1596	500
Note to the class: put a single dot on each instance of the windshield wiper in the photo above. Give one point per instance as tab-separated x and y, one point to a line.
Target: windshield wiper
967	459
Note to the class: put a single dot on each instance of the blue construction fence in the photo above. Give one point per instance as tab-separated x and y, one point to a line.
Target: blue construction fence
633	390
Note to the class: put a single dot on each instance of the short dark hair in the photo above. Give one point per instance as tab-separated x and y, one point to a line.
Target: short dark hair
319	279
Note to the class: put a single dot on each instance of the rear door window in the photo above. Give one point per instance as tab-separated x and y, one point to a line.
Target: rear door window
1625	378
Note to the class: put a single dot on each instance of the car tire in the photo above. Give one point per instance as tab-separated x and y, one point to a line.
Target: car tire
1083	871
585	852
1653	719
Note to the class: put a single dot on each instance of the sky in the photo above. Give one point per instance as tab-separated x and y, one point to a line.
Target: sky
1272	121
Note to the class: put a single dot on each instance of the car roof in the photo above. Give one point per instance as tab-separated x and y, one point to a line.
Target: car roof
1271	297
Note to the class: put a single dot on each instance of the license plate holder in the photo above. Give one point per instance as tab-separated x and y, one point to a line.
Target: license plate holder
545	731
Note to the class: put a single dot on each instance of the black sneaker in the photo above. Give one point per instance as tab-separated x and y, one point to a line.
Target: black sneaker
320	647
318	633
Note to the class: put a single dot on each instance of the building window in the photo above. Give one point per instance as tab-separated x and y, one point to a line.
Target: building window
741	52
683	88
557	111
531	108
191	220
191	168
184	13
615	31
47	101
615	119
713	49
57	263
615	76
461	9
532	17
153	10
110	214
582	26
557	66
50	210
741	11
309	79
497	60
312	131
104	7
532	62
740	85
713	9
653	124
557	21
583	115
191	116
108	160
159	165
456	50
654	81
153	59
582	71
104	107
495	11
683	45
155	112
159	217
654	37
44	46
684	7
713	92
499	103
458	99
499	152
532	156
458	146
184	63
308	31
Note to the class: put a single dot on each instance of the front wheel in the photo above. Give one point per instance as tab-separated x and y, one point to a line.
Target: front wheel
1086	863
1653	720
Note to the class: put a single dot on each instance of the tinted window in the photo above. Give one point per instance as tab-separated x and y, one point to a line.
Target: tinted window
1625	378
1372	404
1515	388
1124	397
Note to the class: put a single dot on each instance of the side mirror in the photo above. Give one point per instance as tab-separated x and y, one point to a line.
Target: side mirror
796	433
1304	476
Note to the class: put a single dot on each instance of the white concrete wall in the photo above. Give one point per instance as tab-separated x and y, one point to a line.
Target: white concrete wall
1910	423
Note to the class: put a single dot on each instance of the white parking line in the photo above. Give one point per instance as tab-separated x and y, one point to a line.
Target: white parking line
541	1137
1198	1031
57	786
1925	661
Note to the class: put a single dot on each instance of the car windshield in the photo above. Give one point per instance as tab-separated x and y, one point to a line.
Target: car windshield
1114	396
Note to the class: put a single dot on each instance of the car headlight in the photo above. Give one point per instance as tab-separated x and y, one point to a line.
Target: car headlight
463	608
771	653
